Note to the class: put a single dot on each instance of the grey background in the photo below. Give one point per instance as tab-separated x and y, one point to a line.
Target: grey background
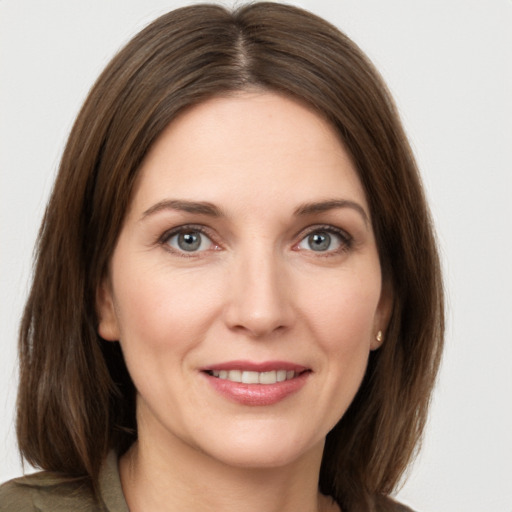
449	65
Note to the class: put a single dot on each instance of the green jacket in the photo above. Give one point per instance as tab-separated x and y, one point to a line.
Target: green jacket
50	492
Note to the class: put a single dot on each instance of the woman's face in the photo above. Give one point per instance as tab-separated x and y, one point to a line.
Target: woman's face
247	254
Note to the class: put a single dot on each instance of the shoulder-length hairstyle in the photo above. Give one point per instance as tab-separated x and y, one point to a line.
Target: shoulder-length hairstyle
76	400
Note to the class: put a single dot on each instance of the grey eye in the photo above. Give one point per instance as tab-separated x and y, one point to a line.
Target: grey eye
319	241
190	241
323	240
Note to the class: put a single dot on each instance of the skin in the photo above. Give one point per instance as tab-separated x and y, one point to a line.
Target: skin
254	290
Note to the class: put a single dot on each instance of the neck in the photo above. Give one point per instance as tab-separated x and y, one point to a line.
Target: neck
174	476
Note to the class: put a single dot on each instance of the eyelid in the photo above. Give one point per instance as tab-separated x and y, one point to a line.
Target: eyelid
167	235
346	238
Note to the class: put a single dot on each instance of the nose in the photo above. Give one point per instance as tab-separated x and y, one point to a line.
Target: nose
260	296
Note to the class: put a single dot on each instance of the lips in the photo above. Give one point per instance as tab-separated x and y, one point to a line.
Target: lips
249	383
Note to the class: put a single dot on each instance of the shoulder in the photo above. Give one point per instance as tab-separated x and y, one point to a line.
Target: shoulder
377	503
45	492
387	504
53	492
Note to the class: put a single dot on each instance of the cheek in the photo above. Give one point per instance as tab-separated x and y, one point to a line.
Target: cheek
157	308
342	311
342	321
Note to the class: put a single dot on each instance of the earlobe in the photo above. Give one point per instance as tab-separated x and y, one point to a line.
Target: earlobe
108	327
382	317
377	340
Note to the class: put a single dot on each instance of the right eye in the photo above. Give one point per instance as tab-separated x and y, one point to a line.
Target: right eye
189	241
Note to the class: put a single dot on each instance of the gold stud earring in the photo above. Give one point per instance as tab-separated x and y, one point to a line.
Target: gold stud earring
379	337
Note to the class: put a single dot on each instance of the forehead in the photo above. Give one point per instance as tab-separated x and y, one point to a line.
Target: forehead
248	150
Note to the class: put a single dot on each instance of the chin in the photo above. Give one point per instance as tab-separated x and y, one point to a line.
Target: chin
264	448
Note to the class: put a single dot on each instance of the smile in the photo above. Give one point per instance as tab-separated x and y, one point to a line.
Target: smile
256	384
251	377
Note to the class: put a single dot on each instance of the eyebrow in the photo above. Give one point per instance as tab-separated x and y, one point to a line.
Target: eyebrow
209	209
331	204
199	207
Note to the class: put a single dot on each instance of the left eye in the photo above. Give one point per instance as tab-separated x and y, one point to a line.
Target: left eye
322	241
190	241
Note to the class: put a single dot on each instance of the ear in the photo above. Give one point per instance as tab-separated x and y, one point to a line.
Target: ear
108	327
382	316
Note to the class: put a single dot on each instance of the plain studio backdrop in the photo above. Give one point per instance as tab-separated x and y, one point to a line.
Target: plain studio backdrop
449	65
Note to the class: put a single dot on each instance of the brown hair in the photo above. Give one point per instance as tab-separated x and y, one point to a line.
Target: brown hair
76	399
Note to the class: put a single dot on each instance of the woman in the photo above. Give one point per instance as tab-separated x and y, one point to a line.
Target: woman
237	299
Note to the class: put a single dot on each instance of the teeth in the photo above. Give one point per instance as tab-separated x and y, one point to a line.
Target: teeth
234	375
250	377
281	375
268	378
247	377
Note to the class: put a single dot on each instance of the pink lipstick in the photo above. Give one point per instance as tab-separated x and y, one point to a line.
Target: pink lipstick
251	383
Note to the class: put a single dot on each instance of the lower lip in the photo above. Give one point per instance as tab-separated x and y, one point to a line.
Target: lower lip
257	394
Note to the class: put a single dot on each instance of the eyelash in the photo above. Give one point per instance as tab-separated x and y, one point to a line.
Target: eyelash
195	228
346	241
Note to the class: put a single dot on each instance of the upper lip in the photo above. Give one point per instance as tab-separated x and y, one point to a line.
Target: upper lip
251	366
